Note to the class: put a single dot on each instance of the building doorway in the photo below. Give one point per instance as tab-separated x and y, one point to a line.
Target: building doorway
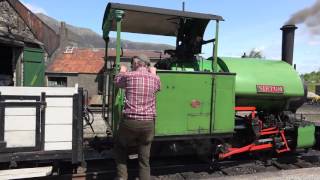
6	66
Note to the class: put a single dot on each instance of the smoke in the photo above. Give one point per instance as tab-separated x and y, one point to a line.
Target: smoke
310	16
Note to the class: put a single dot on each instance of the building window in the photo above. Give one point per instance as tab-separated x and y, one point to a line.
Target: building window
57	81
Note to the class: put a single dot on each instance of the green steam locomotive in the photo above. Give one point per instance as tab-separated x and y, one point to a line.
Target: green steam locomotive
232	105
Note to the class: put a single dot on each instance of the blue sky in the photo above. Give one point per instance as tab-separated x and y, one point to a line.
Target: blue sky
249	24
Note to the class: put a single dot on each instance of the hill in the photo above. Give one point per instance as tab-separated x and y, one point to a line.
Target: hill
86	38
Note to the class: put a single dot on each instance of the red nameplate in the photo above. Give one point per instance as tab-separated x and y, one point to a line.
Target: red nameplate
270	89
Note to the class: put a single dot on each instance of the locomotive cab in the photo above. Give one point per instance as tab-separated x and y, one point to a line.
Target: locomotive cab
186	104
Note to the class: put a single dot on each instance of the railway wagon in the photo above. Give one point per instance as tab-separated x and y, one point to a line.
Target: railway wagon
227	105
40	125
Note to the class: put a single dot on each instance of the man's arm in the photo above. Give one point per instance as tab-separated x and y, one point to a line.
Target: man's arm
120	80
153	70
158	83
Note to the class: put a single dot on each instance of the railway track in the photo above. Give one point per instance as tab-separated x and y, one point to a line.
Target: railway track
191	168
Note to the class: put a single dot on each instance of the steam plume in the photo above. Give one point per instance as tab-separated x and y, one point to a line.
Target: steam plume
310	16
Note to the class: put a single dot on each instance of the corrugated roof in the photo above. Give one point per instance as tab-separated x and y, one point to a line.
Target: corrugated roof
130	53
88	60
156	21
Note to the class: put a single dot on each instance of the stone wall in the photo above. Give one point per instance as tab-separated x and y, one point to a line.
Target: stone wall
87	81
12	24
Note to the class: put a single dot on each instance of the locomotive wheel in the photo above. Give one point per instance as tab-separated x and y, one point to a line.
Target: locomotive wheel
203	149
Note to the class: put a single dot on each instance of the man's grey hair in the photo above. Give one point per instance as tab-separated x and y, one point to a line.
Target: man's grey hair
142	60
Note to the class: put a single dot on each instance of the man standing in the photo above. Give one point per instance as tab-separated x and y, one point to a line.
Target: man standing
137	125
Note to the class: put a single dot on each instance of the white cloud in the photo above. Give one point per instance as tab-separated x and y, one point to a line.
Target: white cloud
308	67
35	8
314	42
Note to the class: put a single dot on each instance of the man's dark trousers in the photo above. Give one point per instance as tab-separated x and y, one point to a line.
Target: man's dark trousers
134	133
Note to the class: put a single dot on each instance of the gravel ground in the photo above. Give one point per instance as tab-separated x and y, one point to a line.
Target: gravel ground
311	112
295	174
98	125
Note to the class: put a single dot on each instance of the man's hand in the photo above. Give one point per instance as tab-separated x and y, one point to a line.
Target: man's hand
153	70
123	68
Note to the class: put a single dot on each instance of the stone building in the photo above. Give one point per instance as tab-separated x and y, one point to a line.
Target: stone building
25	44
76	66
84	66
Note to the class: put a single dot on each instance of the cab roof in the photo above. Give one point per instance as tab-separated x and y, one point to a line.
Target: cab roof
157	21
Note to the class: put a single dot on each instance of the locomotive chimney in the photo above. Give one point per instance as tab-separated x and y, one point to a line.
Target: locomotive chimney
288	43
